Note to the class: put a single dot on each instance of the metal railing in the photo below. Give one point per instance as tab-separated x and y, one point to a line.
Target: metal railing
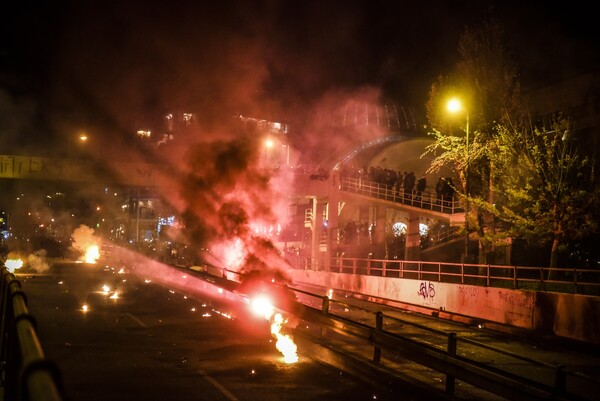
26	374
451	355
456	357
425	200
566	280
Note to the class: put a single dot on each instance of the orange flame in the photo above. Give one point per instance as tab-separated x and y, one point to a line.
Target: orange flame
284	344
92	253
262	306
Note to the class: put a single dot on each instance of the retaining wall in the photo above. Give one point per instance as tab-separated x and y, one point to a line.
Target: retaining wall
565	315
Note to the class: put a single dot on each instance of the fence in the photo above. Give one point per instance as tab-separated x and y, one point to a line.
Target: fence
26	374
425	200
566	280
456	357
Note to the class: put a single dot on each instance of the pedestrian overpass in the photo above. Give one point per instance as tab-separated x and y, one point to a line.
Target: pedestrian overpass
82	170
332	197
328	197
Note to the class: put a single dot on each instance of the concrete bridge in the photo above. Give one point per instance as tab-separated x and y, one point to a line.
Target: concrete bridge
79	170
327	204
338	198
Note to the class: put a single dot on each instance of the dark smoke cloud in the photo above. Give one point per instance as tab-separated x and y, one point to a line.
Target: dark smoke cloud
227	195
111	68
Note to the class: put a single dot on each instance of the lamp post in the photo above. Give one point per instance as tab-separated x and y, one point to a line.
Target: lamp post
455	106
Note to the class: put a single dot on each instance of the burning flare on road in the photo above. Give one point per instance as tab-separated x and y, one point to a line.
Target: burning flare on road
262	306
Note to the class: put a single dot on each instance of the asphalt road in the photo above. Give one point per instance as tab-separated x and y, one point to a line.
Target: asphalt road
172	334
158	341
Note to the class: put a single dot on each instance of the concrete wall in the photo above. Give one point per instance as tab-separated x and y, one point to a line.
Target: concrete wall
566	315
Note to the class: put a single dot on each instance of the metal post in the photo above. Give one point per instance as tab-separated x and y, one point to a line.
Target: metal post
378	328
467	193
450	379
325	310
560	382
325	306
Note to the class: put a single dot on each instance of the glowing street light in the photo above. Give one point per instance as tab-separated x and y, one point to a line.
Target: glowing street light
268	145
455	106
74	141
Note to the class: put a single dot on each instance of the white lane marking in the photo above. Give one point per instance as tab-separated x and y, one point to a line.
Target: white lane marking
218	386
137	320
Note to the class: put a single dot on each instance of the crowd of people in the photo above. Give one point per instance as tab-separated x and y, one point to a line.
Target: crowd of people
401	181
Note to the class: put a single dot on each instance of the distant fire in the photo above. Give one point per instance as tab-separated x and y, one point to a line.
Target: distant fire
85	242
13	264
106	290
92	254
233	253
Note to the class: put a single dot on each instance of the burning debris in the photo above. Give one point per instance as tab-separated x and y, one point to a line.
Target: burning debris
262	306
268	292
86	244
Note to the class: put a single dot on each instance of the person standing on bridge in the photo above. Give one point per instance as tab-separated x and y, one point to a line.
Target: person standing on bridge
439	188
409	184
421	185
400	182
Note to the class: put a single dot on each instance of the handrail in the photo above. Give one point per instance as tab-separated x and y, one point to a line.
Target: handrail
567	280
28	375
425	200
577	280
447	361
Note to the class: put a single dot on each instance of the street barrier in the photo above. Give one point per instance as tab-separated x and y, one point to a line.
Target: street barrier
566	280
455	357
26	374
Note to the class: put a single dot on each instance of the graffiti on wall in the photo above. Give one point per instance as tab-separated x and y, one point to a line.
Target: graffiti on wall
426	290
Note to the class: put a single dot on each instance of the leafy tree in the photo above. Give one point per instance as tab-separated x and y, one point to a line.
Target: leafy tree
486	80
549	186
529	181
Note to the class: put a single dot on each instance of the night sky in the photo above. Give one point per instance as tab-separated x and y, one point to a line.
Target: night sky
112	67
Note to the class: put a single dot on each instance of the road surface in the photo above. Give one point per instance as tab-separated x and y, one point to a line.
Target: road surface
155	343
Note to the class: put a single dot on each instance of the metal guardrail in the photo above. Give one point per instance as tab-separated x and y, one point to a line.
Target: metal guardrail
26	374
454	358
569	280
561	383
426	200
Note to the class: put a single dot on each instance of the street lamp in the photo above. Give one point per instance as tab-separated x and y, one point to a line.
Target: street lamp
73	143
455	106
268	145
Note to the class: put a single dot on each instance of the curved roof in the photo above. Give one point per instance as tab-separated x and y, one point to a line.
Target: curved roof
399	153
